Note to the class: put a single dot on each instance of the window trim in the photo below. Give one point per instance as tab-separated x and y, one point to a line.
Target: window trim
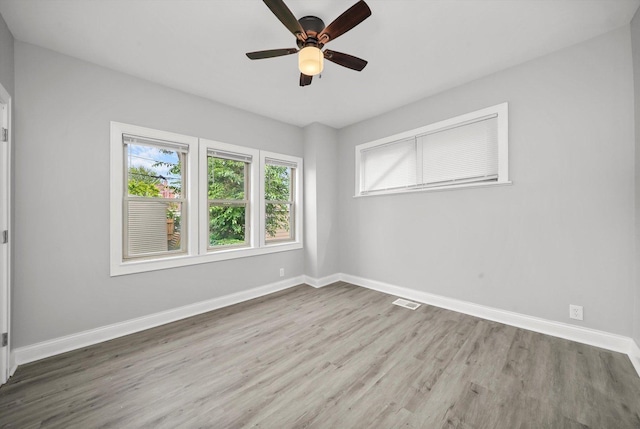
194	194
502	113
118	264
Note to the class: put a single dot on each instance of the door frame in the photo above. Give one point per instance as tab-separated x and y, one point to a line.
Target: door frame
6	364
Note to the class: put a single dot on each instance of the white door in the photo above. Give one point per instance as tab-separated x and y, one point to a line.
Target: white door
5	162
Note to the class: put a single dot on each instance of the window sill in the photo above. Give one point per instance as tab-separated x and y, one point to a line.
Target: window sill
141	266
434	189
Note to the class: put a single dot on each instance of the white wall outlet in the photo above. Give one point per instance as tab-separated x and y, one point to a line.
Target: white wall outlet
282	274
575	312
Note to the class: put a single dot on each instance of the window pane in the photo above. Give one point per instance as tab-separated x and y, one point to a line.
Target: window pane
227	224
278	183
152	227
174	226
227	179
153	171
278	222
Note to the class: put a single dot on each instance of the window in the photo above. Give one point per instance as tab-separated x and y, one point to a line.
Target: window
228	191
279	192
153	198
231	197
469	150
178	200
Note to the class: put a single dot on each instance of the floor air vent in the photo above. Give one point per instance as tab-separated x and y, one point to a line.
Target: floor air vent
406	304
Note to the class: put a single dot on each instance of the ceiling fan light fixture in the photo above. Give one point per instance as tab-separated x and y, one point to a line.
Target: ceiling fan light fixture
310	60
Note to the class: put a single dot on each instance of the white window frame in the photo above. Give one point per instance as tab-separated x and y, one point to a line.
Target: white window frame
129	199
197	251
118	264
297	200
254	188
501	111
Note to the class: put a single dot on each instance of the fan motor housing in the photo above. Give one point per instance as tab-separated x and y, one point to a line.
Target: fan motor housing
312	25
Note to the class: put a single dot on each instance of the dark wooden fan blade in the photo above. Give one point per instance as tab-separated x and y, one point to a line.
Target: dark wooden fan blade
305	80
258	55
345	22
345	60
282	12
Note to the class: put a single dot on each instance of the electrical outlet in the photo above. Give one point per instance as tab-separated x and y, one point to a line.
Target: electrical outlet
575	312
281	272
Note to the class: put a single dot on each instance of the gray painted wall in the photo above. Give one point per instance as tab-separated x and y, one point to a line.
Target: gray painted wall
6	57
321	206
635	44
562	234
61	277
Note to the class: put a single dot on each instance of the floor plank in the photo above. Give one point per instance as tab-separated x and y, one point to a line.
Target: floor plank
336	357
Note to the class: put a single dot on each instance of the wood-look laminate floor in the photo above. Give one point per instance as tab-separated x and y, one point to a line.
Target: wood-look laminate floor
336	357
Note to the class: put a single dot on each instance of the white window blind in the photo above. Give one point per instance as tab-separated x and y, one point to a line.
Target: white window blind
146	228
280	163
389	166
466	153
160	144
229	155
471	149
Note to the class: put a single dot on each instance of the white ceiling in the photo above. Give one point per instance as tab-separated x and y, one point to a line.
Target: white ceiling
414	48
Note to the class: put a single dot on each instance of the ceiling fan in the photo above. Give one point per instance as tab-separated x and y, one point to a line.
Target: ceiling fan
311	36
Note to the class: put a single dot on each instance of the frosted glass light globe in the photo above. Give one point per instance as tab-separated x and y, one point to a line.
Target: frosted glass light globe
310	60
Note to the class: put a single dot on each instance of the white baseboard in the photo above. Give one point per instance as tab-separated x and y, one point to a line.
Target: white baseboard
12	363
634	355
579	334
322	282
67	343
605	340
